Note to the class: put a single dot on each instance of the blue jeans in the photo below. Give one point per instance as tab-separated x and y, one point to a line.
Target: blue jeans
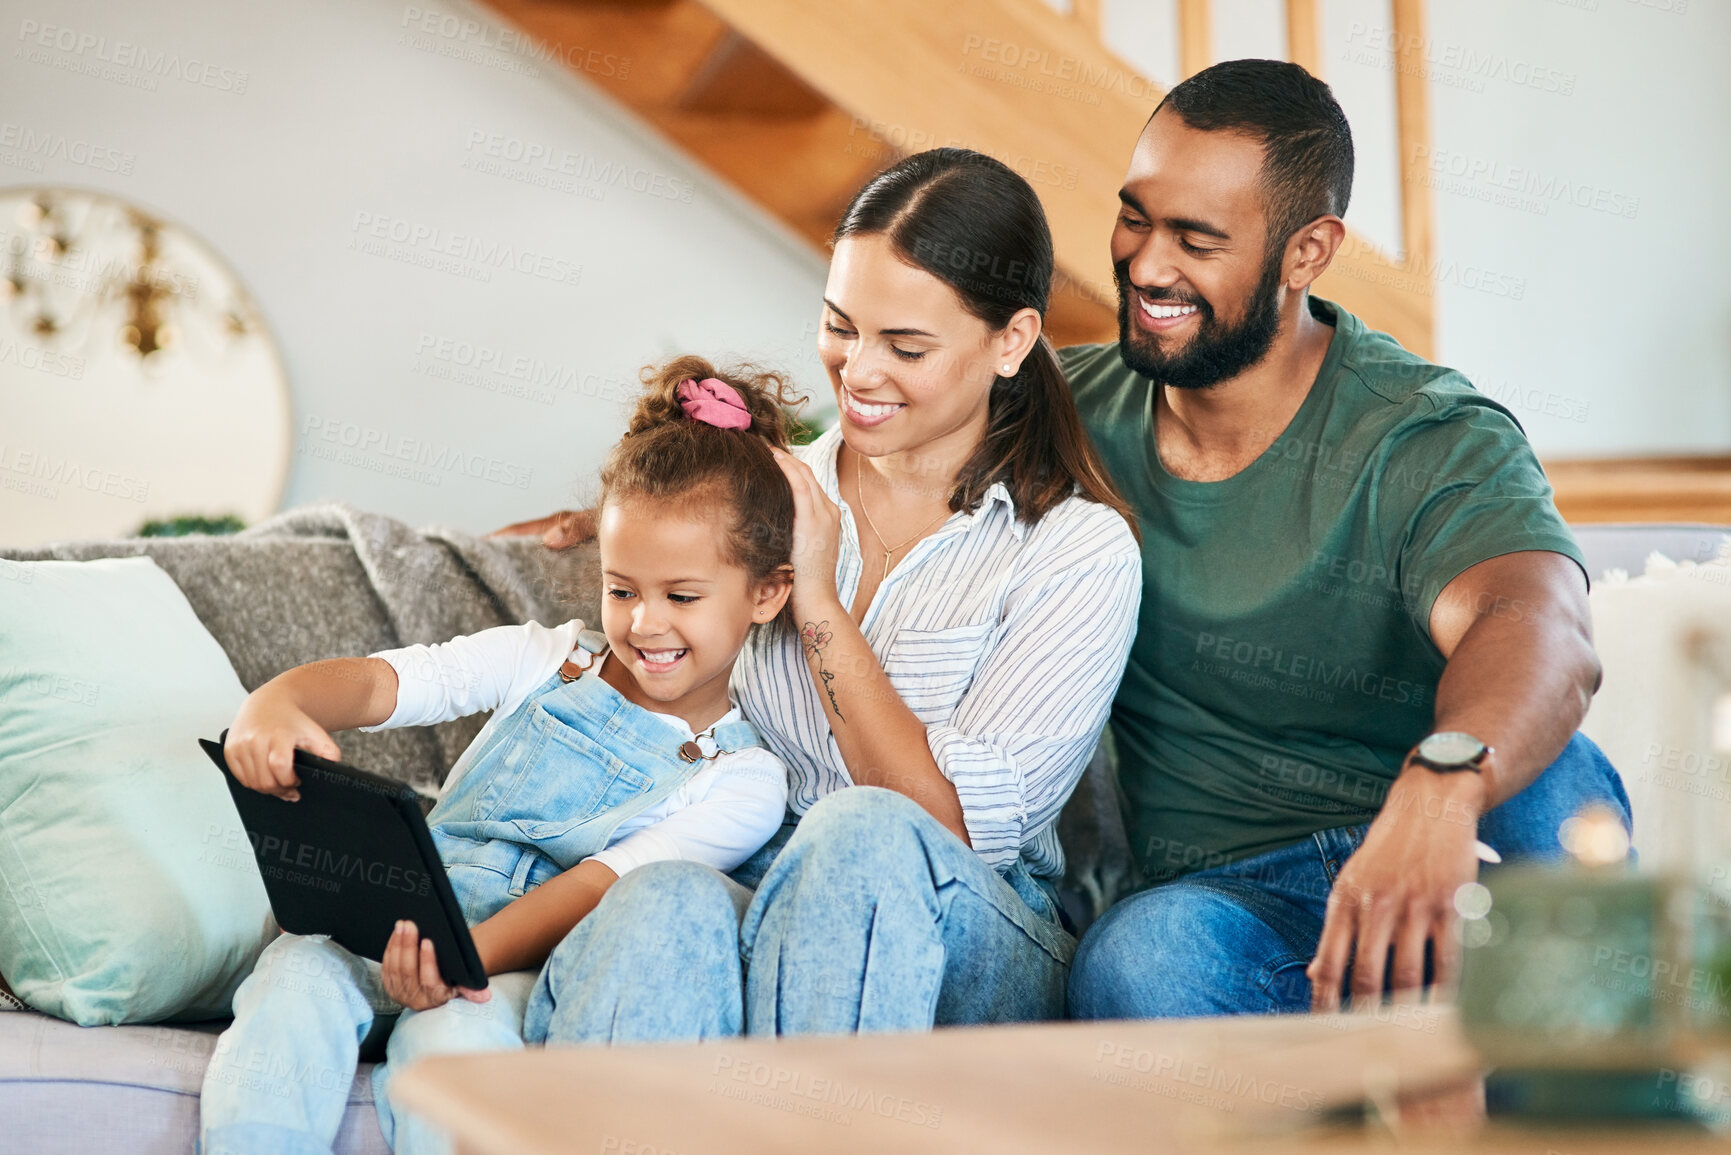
546	790
870	916
1236	939
279	1080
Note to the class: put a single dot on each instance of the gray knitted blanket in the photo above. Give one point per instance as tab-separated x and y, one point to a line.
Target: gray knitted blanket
326	581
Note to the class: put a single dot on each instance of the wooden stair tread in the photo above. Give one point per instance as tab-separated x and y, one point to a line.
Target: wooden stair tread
839	89
739	77
666	41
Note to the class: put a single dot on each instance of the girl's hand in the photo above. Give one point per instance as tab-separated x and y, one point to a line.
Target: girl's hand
816	536
262	741
411	972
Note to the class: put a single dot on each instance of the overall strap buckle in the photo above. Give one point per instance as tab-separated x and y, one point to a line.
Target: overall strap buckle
725	739
591	645
736	736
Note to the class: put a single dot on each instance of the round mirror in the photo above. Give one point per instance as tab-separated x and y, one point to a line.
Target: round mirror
138	382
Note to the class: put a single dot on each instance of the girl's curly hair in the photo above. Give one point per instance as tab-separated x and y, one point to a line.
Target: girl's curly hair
666	455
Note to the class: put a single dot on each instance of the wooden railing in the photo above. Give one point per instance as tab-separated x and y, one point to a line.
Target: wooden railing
942	70
1647	489
797	102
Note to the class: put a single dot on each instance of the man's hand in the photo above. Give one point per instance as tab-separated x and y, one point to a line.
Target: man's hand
562	530
1516	634
1398	890
411	973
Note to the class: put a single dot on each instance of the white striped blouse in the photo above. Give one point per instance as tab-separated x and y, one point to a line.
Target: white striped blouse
1006	640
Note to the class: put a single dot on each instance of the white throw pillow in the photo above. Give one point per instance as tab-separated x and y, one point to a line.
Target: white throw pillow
128	890
1664	640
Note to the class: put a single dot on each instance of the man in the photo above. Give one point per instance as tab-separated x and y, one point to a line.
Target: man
1352	567
1364	629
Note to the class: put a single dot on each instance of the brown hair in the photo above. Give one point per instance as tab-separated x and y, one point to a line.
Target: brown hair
974	224
666	455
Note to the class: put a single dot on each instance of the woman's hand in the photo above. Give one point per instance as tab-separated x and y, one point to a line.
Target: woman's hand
816	539
411	973
261	743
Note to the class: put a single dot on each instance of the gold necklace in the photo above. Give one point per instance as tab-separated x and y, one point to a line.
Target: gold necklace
859	491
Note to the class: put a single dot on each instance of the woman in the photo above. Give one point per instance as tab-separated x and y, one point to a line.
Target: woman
965	593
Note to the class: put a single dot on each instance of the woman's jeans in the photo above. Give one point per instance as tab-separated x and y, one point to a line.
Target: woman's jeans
279	1080
1236	939
869	916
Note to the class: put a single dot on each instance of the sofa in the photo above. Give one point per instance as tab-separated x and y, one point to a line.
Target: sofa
328	581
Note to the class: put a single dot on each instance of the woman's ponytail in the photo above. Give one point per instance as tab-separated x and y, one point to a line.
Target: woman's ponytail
1035	443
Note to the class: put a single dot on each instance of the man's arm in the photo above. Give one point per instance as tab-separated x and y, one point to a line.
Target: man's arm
1516	635
562	530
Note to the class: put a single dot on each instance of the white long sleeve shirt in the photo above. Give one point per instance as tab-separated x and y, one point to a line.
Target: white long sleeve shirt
728	809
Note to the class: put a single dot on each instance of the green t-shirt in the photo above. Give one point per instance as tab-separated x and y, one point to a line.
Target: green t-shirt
1283	664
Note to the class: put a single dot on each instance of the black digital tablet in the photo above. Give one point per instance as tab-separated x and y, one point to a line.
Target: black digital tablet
351	858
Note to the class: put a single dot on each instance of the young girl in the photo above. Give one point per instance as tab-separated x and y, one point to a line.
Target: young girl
602	754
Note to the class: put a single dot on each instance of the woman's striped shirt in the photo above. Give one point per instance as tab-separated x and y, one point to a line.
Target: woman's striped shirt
1007	640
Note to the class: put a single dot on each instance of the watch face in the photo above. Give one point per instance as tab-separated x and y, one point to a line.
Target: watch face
1451	748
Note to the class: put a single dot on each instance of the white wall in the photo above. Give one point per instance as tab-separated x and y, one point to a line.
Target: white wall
345	122
1626	317
1619	341
1607	328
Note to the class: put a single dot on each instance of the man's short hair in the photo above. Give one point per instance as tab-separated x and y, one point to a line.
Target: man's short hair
1307	145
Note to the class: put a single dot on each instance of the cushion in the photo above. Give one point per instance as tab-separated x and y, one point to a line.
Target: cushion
327	581
128	890
126	1090
1664	640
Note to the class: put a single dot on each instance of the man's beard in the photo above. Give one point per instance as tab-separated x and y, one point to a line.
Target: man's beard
1217	352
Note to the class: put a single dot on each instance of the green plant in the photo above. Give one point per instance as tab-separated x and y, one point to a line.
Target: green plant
192	523
802	432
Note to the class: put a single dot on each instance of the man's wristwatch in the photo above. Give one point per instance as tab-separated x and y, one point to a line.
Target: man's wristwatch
1450	751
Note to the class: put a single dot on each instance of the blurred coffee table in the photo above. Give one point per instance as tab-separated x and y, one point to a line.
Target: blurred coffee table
1291	1083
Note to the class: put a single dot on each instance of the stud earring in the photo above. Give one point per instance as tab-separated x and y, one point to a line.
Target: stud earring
1009	372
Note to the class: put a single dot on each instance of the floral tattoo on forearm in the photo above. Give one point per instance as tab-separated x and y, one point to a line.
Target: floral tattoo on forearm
814	636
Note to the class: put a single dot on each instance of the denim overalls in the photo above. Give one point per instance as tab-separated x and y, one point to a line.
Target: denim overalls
553	783
550	787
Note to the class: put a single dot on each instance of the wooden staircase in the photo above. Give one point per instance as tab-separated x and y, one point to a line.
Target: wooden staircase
797	102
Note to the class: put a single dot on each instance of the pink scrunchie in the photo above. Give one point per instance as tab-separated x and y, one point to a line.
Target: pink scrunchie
713	402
